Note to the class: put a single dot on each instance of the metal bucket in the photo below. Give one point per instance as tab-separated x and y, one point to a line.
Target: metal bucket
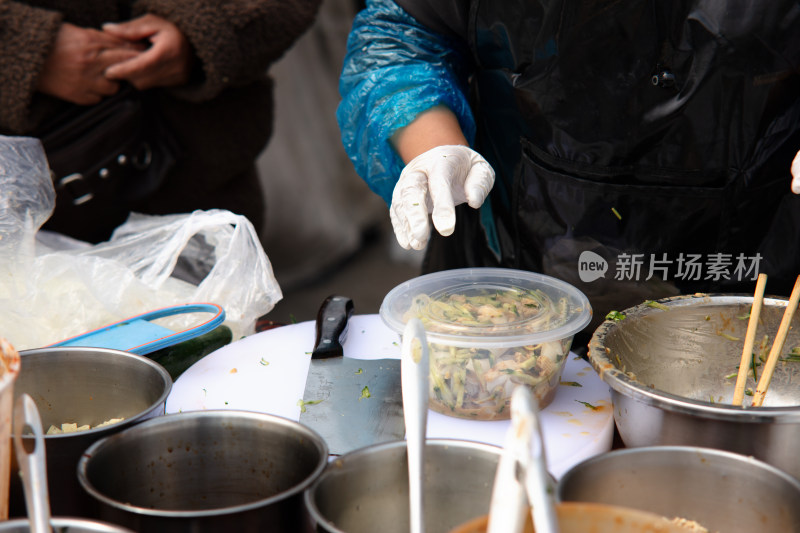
720	490
85	386
366	491
205	471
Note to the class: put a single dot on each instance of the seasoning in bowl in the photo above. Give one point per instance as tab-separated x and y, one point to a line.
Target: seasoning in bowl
580	517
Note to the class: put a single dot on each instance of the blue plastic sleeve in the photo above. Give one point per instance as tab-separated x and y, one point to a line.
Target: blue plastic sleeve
395	69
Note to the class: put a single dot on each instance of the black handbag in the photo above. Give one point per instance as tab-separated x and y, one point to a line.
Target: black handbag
104	159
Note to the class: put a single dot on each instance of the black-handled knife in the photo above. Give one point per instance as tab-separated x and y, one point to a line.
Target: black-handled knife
351	402
332	319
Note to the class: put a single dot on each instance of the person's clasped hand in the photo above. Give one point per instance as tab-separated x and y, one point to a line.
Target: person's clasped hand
74	70
85	65
435	182
167	62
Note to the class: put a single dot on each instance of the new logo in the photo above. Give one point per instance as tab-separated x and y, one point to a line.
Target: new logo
591	266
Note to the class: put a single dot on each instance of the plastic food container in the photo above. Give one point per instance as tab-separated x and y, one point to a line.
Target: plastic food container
489	330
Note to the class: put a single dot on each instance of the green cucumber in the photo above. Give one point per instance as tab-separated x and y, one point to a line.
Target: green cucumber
178	357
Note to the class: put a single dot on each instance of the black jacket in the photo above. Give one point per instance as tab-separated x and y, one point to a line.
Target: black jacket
646	132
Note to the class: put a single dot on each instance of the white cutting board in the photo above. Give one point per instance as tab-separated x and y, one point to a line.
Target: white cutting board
267	372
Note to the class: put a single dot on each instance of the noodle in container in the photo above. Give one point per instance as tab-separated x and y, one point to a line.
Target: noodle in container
489	330
9	370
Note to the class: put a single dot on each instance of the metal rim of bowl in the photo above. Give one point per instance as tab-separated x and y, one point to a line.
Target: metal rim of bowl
130	421
685	450
69	524
312	435
309	496
623	384
562	332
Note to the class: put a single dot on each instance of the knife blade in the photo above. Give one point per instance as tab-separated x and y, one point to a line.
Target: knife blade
351	403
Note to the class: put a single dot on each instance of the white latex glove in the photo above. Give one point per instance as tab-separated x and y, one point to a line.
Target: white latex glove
436	182
796	174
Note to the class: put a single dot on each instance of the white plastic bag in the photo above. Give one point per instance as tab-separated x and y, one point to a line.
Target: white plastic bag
49	292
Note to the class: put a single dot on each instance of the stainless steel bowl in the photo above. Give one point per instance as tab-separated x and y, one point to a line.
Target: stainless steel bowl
672	375
63	525
720	490
366	490
85	386
205	471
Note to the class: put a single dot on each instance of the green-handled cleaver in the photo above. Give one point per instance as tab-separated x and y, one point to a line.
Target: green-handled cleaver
351	403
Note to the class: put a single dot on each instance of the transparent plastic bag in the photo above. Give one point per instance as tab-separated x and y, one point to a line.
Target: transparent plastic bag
55	288
27	196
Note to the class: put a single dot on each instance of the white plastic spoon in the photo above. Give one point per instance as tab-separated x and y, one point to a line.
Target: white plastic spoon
32	463
414	369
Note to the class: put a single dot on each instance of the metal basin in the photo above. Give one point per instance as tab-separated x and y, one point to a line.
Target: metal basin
720	490
366	491
205	471
84	386
672	375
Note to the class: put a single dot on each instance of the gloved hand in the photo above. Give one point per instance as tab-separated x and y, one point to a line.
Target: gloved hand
796	174
435	182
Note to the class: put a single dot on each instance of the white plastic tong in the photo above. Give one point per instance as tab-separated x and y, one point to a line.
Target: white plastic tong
522	478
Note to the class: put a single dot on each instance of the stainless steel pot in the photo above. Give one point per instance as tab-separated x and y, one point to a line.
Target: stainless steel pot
720	490
366	491
672	375
86	386
205	471
64	525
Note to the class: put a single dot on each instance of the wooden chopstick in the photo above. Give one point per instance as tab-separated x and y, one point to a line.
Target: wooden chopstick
777	346
749	340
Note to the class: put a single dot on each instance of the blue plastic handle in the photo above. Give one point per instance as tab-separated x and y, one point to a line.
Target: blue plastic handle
140	336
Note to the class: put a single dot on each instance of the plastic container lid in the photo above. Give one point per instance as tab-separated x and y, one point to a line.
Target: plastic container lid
563	310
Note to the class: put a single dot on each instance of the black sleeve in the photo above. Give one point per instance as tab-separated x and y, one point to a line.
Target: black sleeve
448	17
